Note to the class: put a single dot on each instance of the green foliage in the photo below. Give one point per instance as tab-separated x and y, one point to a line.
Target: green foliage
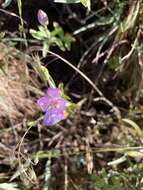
71	106
43	72
21	26
130	178
114	23
106	181
61	87
114	62
54	37
86	3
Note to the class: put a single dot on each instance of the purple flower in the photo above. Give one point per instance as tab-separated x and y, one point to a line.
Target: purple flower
42	17
54	106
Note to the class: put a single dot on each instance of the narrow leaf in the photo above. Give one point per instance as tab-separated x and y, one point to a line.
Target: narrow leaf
135	126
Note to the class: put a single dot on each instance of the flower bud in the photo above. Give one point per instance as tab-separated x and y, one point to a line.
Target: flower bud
42	17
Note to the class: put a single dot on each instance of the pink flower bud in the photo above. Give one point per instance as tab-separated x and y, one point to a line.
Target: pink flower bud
42	17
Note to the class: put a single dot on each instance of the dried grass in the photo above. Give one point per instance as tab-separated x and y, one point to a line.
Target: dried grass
15	82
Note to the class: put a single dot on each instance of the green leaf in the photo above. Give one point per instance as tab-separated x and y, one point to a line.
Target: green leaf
60	44
41	34
71	108
46	76
54	37
45	48
86	3
43	72
44	32
35	34
135	154
61	87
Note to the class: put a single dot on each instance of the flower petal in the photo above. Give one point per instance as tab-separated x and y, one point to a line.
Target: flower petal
54	92
51	118
43	103
47	119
